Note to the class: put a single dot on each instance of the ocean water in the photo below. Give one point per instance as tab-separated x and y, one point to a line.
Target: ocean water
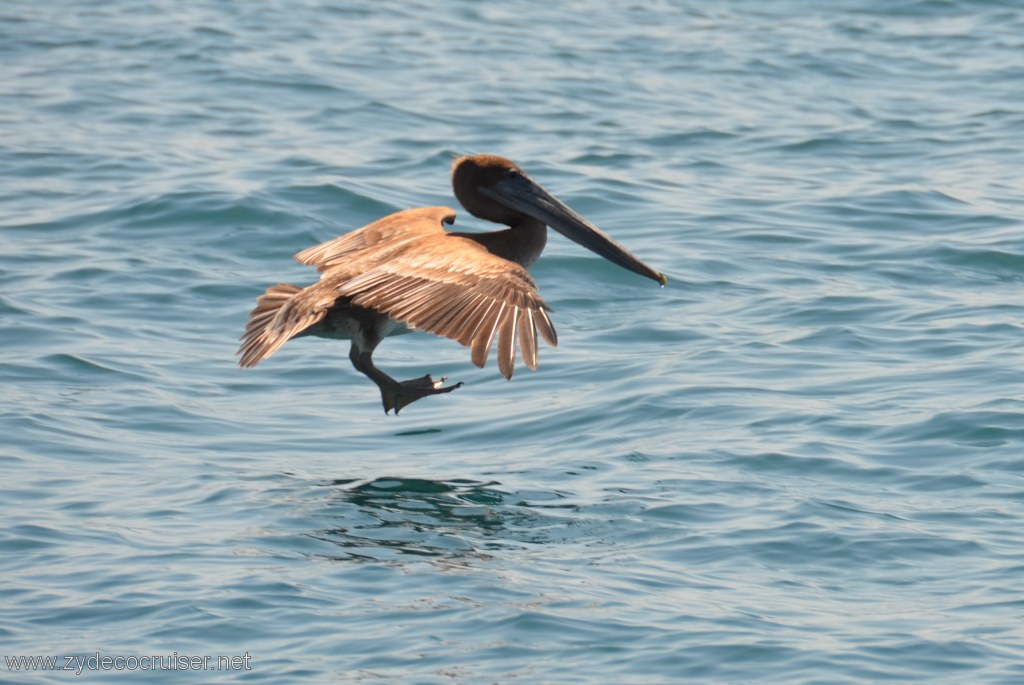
801	462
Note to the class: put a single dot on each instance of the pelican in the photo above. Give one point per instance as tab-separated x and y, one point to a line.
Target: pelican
406	272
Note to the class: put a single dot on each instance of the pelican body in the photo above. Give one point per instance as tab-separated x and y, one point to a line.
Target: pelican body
406	272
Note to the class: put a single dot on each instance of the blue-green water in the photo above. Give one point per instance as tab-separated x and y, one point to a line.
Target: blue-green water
802	462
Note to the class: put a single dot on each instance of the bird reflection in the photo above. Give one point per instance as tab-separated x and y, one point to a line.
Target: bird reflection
398	517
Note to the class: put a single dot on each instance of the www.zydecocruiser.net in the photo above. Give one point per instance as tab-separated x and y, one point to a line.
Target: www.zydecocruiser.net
79	663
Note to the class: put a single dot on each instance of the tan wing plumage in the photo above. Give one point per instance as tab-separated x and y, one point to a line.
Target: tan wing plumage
281	313
408	267
284	311
453	288
381	237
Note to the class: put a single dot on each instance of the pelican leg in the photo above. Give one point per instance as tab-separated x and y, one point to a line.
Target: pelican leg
397	394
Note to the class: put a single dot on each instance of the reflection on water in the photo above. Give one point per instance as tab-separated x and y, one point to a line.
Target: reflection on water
389	517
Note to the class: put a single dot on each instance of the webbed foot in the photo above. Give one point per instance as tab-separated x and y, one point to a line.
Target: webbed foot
399	395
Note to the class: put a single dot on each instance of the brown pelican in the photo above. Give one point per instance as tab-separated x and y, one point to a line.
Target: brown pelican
405	272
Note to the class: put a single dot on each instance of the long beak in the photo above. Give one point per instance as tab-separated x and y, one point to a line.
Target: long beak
524	195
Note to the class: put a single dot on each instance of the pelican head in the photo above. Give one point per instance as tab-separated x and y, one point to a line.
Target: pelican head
496	189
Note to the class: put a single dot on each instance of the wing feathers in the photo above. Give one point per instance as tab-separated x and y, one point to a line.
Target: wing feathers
381	236
544	325
407	267
282	312
483	336
468	320
528	340
454	287
507	342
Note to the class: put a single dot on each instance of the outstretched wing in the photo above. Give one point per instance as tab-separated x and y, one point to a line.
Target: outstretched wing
406	266
281	313
382	237
284	311
450	286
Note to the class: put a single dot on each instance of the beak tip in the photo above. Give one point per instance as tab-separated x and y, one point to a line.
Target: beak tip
663	279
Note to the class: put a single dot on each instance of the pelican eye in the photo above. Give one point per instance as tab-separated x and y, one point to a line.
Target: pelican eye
513	173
